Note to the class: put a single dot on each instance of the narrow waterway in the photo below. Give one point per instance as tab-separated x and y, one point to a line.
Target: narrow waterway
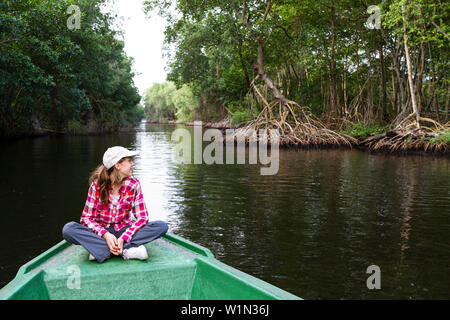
312	229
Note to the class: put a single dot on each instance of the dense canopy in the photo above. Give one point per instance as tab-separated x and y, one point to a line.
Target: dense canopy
341	59
57	77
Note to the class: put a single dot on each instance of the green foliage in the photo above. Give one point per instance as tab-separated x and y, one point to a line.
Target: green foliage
185	103
239	113
315	52
361	130
240	117
164	102
424	20
442	138
63	77
206	58
158	102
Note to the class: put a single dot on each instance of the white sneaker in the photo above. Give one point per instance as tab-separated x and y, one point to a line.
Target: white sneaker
135	253
91	257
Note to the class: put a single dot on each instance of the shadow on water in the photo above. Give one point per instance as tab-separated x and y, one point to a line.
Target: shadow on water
311	229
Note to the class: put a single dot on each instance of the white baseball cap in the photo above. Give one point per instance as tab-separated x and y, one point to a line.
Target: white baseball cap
114	154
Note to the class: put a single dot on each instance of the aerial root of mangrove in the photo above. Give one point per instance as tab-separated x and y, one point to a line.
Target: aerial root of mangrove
411	135
296	126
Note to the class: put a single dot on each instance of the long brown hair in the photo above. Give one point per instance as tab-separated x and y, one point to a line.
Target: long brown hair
105	179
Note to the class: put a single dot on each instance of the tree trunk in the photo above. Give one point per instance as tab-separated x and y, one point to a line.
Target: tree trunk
244	68
401	88
344	79
259	66
369	87
446	103
420	73
383	80
408	64
394	96
333	89
259	63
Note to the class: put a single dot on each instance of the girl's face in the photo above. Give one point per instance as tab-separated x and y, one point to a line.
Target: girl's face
125	168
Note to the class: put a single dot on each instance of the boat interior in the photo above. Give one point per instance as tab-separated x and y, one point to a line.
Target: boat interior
175	270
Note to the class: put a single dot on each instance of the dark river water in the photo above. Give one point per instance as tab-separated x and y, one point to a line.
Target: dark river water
312	229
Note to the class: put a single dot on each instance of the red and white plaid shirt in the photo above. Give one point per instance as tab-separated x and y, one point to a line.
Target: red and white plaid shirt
98	216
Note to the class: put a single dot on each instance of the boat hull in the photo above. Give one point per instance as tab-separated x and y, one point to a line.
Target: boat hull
176	269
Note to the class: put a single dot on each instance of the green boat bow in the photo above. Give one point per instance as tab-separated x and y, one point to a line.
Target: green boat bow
177	269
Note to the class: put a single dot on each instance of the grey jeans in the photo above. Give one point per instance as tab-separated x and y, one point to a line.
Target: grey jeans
78	234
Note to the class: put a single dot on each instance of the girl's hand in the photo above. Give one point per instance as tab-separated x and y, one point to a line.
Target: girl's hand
112	243
120	244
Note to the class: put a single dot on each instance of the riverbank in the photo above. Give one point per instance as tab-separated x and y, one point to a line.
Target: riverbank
73	128
223	124
376	139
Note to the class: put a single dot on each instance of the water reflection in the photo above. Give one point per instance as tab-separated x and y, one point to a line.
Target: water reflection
312	229
319	223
